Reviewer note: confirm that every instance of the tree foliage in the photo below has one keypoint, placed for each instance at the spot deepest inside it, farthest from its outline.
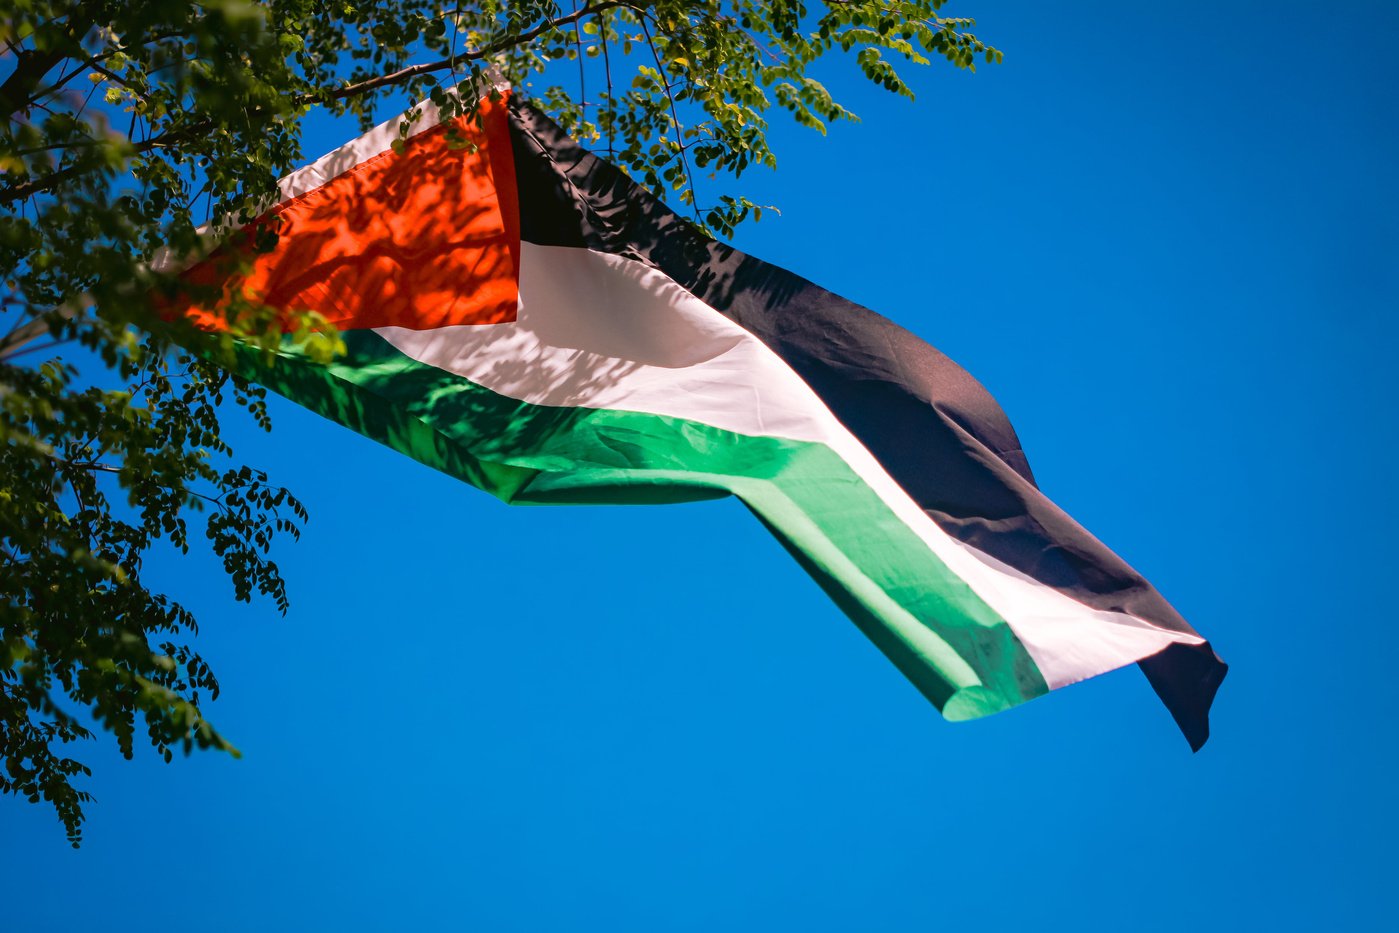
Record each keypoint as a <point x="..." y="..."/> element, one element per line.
<point x="131" y="125"/>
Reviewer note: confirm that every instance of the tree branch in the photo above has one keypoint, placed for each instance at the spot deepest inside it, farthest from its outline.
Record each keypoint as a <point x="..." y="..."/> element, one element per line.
<point x="30" y="330"/>
<point x="398" y="77"/>
<point x="63" y="39"/>
<point x="30" y="69"/>
<point x="201" y="127"/>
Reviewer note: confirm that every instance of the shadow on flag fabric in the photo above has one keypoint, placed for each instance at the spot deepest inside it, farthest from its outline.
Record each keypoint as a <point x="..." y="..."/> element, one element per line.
<point x="521" y="315"/>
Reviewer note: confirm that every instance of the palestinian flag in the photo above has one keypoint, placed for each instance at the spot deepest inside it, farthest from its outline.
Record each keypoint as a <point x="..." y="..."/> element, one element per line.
<point x="521" y="315"/>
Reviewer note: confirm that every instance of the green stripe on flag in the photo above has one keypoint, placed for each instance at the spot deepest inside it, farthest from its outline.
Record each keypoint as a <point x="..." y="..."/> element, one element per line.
<point x="941" y="635"/>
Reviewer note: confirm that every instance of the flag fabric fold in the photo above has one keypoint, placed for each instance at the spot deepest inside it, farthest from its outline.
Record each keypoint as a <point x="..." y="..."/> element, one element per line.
<point x="519" y="314"/>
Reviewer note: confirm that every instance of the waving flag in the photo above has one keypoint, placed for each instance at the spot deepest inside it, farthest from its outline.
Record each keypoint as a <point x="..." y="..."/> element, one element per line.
<point x="520" y="315"/>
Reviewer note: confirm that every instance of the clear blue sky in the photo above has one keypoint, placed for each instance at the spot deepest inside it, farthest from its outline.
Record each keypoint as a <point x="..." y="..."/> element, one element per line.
<point x="1165" y="236"/>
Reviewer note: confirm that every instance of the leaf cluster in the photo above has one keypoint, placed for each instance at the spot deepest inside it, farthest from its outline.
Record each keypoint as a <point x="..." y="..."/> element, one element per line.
<point x="687" y="87"/>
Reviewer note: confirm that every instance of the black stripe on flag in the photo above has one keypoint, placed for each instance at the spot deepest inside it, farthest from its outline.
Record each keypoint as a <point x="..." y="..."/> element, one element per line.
<point x="933" y="427"/>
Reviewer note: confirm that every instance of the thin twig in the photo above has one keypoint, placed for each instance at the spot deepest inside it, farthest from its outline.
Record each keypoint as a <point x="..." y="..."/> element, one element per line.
<point x="79" y="112"/>
<point x="674" y="117"/>
<point x="582" y="80"/>
<point x="112" y="75"/>
<point x="758" y="45"/>
<point x="456" y="33"/>
<point x="611" y="104"/>
<point x="92" y="62"/>
<point x="96" y="467"/>
<point x="43" y="346"/>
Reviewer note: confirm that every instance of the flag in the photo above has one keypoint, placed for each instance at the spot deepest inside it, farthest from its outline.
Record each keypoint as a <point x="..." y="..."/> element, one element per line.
<point x="521" y="315"/>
